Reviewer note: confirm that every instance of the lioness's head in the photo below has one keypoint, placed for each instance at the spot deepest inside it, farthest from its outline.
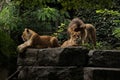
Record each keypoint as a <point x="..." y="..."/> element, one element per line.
<point x="26" y="34"/>
<point x="75" y="36"/>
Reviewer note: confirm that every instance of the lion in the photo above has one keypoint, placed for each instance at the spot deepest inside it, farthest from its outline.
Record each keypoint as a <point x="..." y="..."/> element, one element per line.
<point x="73" y="41"/>
<point x="34" y="40"/>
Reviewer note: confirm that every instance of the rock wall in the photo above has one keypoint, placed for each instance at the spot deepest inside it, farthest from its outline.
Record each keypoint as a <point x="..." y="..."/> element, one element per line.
<point x="72" y="63"/>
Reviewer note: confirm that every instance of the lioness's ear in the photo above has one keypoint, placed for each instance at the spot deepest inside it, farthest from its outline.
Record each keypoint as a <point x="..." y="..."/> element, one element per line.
<point x="26" y="29"/>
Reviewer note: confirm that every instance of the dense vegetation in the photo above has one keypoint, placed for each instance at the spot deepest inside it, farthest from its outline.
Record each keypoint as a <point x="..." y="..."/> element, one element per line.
<point x="52" y="17"/>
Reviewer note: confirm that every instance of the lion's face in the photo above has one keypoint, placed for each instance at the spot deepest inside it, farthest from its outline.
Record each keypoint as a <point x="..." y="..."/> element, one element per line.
<point x="26" y="35"/>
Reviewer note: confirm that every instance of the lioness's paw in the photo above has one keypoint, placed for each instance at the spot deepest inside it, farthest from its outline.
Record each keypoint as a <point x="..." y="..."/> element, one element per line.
<point x="20" y="49"/>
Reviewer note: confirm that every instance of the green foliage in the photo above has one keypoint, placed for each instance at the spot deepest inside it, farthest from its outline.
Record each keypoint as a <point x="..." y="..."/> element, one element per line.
<point x="91" y="4"/>
<point x="9" y="17"/>
<point x="66" y="4"/>
<point x="48" y="14"/>
<point x="32" y="4"/>
<point x="108" y="12"/>
<point x="51" y="14"/>
<point x="45" y="19"/>
<point x="116" y="33"/>
<point x="7" y="49"/>
<point x="10" y="21"/>
<point x="99" y="45"/>
<point x="103" y="45"/>
<point x="61" y="33"/>
<point x="113" y="17"/>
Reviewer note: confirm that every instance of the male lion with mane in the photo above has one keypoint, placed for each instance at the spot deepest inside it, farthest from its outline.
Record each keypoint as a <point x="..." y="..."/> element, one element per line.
<point x="34" y="40"/>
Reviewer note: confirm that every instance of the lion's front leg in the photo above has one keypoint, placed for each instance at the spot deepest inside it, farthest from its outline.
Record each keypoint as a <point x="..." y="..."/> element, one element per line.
<point x="84" y="36"/>
<point x="23" y="46"/>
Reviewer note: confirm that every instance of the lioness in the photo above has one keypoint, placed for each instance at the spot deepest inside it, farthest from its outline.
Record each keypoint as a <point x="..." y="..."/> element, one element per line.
<point x="73" y="41"/>
<point x="34" y="40"/>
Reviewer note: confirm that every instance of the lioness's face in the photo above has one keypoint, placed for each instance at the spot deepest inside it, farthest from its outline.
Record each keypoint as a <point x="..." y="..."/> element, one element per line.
<point x="26" y="35"/>
<point x="76" y="36"/>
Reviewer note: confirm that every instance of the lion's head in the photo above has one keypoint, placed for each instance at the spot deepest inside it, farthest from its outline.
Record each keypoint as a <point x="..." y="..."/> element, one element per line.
<point x="26" y="34"/>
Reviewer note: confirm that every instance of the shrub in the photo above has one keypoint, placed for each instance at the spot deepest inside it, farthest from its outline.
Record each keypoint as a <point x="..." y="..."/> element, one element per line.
<point x="7" y="49"/>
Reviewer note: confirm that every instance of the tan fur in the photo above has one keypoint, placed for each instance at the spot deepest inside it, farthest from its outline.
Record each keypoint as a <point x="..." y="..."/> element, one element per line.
<point x="34" y="40"/>
<point x="72" y="41"/>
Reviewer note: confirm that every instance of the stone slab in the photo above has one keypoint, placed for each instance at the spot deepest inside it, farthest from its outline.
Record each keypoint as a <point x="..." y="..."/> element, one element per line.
<point x="104" y="58"/>
<point x="71" y="56"/>
<point x="50" y="73"/>
<point x="97" y="73"/>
